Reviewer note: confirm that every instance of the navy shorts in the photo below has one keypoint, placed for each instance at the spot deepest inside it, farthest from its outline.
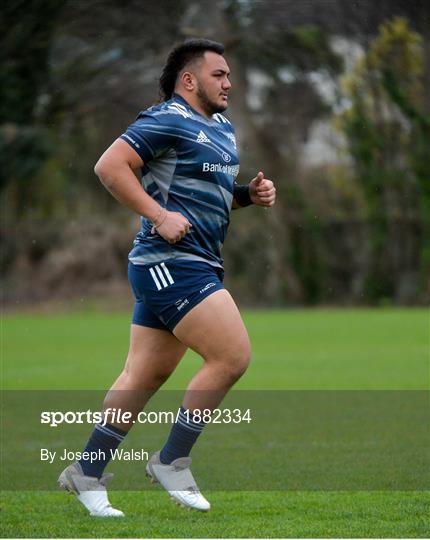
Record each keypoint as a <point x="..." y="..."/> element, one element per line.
<point x="167" y="291"/>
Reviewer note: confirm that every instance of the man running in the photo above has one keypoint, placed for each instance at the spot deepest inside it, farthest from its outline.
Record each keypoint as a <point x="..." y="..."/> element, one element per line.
<point x="186" y="150"/>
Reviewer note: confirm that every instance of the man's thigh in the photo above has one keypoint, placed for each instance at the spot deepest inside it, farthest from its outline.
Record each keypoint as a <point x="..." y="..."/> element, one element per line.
<point x="214" y="328"/>
<point x="153" y="353"/>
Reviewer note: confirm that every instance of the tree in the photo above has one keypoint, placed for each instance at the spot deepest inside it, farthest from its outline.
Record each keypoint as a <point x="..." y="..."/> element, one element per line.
<point x="388" y="135"/>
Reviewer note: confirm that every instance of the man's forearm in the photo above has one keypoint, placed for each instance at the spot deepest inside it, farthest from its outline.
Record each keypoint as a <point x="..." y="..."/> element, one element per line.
<point x="122" y="183"/>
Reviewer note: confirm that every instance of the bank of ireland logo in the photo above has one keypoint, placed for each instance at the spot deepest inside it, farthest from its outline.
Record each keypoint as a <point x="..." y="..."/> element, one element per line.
<point x="226" y="157"/>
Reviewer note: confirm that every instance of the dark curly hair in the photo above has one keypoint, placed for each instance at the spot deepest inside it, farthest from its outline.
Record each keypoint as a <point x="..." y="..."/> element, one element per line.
<point x="179" y="57"/>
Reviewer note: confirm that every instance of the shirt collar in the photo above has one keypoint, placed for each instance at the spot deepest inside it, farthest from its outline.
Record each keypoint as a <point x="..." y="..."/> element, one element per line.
<point x="179" y="98"/>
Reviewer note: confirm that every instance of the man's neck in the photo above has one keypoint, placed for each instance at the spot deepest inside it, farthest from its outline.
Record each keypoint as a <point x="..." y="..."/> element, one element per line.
<point x="193" y="102"/>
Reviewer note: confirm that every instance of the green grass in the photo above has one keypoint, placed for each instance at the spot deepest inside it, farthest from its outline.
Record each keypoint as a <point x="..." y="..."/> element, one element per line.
<point x="298" y="349"/>
<point x="234" y="515"/>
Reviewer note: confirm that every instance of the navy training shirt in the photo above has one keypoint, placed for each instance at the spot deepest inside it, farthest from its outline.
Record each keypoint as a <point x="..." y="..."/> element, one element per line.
<point x="190" y="165"/>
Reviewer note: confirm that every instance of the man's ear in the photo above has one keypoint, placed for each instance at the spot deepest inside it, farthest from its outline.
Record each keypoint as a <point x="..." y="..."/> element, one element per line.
<point x="187" y="79"/>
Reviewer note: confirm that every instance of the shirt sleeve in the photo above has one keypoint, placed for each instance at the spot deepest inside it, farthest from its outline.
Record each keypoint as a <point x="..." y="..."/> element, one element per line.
<point x="149" y="137"/>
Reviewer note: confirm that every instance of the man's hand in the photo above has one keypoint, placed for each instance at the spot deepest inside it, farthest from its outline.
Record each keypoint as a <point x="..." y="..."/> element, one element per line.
<point x="173" y="227"/>
<point x="262" y="191"/>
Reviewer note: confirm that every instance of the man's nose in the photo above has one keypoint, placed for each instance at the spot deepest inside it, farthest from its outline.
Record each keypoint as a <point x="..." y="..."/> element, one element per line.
<point x="226" y="84"/>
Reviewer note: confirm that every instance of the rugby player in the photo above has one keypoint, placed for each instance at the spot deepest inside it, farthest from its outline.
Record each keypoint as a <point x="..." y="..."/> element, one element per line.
<point x="186" y="152"/>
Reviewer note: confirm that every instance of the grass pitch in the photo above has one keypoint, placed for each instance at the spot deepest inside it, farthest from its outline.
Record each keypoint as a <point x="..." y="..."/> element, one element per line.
<point x="299" y="349"/>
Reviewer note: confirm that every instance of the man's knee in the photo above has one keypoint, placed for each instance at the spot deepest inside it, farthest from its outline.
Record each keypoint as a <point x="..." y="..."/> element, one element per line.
<point x="234" y="364"/>
<point x="136" y="377"/>
<point x="242" y="362"/>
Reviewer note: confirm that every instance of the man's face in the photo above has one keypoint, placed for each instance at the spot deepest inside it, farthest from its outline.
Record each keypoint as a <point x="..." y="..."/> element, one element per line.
<point x="213" y="85"/>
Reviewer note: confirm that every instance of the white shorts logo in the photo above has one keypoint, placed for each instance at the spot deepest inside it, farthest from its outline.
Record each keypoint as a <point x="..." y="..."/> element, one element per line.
<point x="181" y="303"/>
<point x="206" y="287"/>
<point x="161" y="276"/>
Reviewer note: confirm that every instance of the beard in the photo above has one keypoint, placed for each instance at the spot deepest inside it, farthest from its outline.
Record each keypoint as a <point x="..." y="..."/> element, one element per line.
<point x="210" y="106"/>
